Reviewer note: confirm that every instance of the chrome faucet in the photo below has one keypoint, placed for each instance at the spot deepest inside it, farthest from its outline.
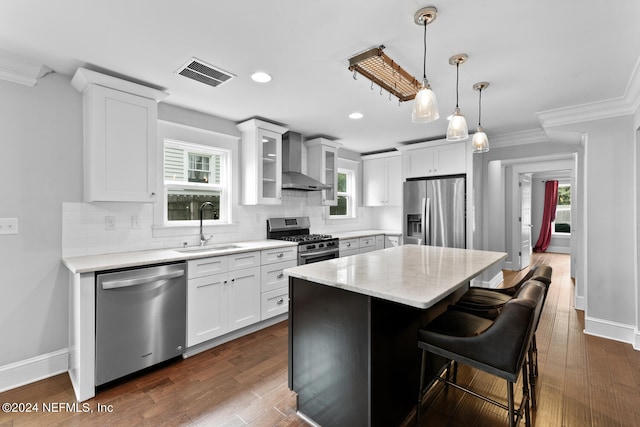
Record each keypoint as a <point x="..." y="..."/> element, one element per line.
<point x="204" y="239"/>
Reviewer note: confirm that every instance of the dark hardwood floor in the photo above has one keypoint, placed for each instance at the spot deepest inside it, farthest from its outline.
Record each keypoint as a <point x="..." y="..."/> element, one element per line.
<point x="584" y="381"/>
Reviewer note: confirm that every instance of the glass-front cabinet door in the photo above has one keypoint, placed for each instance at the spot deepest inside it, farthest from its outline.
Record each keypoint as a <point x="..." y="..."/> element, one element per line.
<point x="261" y="162"/>
<point x="322" y="164"/>
<point x="271" y="144"/>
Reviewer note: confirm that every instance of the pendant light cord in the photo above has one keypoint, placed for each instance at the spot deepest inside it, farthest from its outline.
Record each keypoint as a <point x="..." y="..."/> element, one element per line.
<point x="479" y="107"/>
<point x="457" y="79"/>
<point x="424" y="63"/>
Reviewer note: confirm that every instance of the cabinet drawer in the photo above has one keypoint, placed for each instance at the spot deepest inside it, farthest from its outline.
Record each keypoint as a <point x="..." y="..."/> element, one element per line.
<point x="269" y="256"/>
<point x="244" y="260"/>
<point x="367" y="249"/>
<point x="366" y="242"/>
<point x="349" y="244"/>
<point x="272" y="276"/>
<point x="207" y="266"/>
<point x="380" y="242"/>
<point x="275" y="302"/>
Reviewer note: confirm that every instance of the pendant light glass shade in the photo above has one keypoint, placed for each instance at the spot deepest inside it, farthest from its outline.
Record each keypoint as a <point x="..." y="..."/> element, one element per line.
<point x="457" y="130"/>
<point x="480" y="142"/>
<point x="425" y="107"/>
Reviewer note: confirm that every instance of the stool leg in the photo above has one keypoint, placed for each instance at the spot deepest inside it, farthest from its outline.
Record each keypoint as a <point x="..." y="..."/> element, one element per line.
<point x="512" y="421"/>
<point x="534" y="344"/>
<point x="423" y="366"/>
<point x="525" y="401"/>
<point x="532" y="377"/>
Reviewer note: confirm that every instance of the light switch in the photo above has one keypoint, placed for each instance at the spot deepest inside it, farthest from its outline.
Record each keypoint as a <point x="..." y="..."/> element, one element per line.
<point x="135" y="222"/>
<point x="8" y="225"/>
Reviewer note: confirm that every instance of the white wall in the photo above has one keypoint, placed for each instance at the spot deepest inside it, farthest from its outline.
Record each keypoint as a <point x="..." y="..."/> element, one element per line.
<point x="40" y="168"/>
<point x="41" y="176"/>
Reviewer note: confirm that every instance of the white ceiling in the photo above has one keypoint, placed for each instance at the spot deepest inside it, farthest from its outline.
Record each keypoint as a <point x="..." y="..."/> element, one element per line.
<point x="537" y="55"/>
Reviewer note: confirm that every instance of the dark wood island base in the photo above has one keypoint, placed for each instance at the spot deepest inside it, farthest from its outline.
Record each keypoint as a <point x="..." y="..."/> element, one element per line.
<point x="353" y="358"/>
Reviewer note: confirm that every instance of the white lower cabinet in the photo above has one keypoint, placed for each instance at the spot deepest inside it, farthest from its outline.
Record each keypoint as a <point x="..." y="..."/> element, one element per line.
<point x="391" y="241"/>
<point x="275" y="289"/>
<point x="349" y="247"/>
<point x="367" y="244"/>
<point x="361" y="245"/>
<point x="218" y="301"/>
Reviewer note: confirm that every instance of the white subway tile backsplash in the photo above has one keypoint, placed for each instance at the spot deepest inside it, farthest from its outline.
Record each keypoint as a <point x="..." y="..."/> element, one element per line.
<point x="84" y="233"/>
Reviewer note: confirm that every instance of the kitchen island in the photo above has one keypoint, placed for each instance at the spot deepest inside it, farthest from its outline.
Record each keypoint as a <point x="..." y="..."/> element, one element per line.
<point x="353" y="355"/>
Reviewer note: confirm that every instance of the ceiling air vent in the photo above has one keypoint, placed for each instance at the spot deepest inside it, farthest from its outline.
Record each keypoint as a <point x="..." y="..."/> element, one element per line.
<point x="202" y="72"/>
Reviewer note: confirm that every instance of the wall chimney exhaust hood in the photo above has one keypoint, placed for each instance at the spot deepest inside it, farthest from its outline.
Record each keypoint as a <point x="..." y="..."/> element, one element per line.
<point x="292" y="176"/>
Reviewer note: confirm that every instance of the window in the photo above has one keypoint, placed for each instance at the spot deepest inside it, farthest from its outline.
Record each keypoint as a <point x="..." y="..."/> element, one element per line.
<point x="195" y="174"/>
<point x="346" y="195"/>
<point x="562" y="224"/>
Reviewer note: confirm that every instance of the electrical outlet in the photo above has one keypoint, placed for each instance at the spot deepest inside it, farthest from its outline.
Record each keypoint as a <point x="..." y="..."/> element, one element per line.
<point x="109" y="222"/>
<point x="8" y="225"/>
<point x="135" y="222"/>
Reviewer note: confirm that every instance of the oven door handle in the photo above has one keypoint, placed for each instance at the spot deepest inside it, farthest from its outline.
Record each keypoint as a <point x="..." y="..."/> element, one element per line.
<point x="309" y="254"/>
<point x="126" y="283"/>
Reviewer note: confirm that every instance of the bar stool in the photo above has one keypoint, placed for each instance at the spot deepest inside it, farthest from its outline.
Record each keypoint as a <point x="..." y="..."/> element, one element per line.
<point x="488" y="303"/>
<point x="499" y="348"/>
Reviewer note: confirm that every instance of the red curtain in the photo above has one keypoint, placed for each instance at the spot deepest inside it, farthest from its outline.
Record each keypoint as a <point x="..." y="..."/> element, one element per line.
<point x="548" y="216"/>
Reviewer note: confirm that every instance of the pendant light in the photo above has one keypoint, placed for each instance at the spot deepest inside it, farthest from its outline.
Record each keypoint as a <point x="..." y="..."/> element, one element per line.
<point x="457" y="129"/>
<point x="480" y="142"/>
<point x="425" y="107"/>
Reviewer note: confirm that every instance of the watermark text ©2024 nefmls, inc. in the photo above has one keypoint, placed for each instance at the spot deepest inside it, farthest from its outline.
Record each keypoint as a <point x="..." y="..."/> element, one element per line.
<point x="55" y="407"/>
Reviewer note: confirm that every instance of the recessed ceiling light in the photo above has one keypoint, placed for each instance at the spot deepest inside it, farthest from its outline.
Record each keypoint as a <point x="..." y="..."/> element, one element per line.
<point x="261" y="77"/>
<point x="356" y="115"/>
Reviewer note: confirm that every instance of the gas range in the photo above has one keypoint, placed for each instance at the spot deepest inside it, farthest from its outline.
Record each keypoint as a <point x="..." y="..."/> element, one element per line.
<point x="311" y="247"/>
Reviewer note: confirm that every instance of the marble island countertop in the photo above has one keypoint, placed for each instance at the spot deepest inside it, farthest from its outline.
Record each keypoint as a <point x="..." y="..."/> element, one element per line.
<point x="364" y="233"/>
<point x="90" y="263"/>
<point x="418" y="276"/>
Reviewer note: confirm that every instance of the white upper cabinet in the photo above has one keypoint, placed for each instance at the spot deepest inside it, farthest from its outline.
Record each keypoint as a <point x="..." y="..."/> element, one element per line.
<point x="120" y="138"/>
<point x="261" y="162"/>
<point x="437" y="160"/>
<point x="382" y="179"/>
<point x="322" y="164"/>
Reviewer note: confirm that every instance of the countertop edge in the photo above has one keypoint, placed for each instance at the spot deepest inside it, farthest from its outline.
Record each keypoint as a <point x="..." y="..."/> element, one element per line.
<point x="420" y="304"/>
<point x="113" y="261"/>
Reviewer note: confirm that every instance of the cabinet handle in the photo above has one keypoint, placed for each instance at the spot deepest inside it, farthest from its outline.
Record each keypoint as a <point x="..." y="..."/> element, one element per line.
<point x="280" y="275"/>
<point x="348" y="245"/>
<point x="233" y="280"/>
<point x="280" y="255"/>
<point x="280" y="301"/>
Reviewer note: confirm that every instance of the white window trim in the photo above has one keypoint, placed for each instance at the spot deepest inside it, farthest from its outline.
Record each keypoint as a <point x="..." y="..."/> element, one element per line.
<point x="351" y="169"/>
<point x="555" y="233"/>
<point x="224" y="186"/>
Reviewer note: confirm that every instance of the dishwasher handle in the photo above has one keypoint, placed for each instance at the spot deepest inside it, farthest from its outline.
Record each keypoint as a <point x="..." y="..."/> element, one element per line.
<point x="115" y="284"/>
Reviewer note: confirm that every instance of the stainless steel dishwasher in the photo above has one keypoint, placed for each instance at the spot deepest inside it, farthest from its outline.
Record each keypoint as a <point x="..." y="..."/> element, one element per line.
<point x="141" y="317"/>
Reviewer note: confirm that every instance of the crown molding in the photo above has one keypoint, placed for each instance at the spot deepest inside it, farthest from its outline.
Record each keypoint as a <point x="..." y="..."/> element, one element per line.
<point x="22" y="72"/>
<point x="605" y="109"/>
<point x="531" y="136"/>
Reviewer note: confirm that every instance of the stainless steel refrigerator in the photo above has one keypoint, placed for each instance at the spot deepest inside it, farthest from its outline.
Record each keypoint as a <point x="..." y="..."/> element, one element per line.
<point x="435" y="211"/>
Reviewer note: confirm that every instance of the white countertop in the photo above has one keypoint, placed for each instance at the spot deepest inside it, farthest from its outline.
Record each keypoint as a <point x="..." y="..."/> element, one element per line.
<point x="87" y="264"/>
<point x="364" y="233"/>
<point x="413" y="275"/>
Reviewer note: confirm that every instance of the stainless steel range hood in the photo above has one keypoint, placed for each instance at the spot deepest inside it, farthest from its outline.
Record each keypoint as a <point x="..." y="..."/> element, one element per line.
<point x="292" y="176"/>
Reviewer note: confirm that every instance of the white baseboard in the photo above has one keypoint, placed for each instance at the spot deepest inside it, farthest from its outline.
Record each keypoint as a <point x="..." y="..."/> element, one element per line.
<point x="494" y="282"/>
<point x="35" y="369"/>
<point x="580" y="303"/>
<point x="559" y="249"/>
<point x="611" y="330"/>
<point x="636" y="343"/>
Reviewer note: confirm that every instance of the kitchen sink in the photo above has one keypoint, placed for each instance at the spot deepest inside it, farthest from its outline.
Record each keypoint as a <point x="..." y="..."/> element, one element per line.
<point x="212" y="248"/>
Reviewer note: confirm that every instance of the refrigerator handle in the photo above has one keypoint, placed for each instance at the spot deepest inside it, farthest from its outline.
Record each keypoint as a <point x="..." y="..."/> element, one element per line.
<point x="426" y="220"/>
